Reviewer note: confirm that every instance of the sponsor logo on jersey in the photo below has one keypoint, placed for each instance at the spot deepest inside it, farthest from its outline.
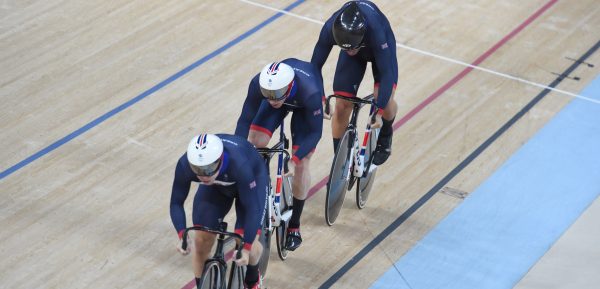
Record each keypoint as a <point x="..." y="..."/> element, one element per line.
<point x="229" y="141"/>
<point x="302" y="71"/>
<point x="219" y="183"/>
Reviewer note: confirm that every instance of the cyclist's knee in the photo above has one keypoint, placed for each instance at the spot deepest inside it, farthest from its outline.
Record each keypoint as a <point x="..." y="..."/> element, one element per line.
<point x="303" y="164"/>
<point x="203" y="241"/>
<point x="258" y="138"/>
<point x="256" y="250"/>
<point x="389" y="112"/>
<point x="342" y="106"/>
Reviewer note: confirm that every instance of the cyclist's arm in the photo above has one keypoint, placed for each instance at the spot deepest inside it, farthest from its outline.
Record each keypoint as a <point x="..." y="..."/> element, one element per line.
<point x="252" y="194"/>
<point x="251" y="105"/>
<point x="385" y="59"/>
<point x="323" y="47"/>
<point x="313" y="115"/>
<point x="179" y="192"/>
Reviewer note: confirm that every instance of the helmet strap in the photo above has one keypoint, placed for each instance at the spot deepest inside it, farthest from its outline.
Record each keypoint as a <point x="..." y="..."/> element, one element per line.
<point x="224" y="161"/>
<point x="292" y="88"/>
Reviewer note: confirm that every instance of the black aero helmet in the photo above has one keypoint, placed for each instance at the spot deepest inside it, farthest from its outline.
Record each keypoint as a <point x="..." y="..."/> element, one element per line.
<point x="349" y="27"/>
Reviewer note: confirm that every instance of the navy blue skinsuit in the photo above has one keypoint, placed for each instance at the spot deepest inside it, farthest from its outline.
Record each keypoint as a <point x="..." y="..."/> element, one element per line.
<point x="305" y="102"/>
<point x="242" y="177"/>
<point x="380" y="50"/>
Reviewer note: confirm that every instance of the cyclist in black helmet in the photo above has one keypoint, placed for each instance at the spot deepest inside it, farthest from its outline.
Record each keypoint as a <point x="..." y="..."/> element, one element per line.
<point x="364" y="35"/>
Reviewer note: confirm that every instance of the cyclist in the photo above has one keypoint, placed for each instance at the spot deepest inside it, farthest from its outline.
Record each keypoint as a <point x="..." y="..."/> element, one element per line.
<point x="290" y="85"/>
<point x="364" y="35"/>
<point x="228" y="168"/>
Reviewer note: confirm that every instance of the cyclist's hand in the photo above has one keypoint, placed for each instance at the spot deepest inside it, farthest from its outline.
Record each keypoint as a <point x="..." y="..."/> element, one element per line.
<point x="244" y="260"/>
<point x="325" y="114"/>
<point x="377" y="123"/>
<point x="291" y="168"/>
<point x="180" y="249"/>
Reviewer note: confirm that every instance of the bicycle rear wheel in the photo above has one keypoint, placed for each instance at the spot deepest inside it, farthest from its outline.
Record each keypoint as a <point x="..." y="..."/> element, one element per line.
<point x="338" y="182"/>
<point x="285" y="205"/>
<point x="236" y="277"/>
<point x="212" y="276"/>
<point x="365" y="183"/>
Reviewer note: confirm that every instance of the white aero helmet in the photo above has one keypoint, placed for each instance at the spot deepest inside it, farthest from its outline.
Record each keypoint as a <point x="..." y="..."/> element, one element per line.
<point x="276" y="80"/>
<point x="204" y="154"/>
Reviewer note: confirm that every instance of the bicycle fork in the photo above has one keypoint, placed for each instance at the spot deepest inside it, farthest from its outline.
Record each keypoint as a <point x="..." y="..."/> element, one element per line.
<point x="275" y="210"/>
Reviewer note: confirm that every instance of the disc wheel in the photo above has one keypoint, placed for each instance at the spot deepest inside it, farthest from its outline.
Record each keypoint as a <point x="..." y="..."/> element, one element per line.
<point x="338" y="182"/>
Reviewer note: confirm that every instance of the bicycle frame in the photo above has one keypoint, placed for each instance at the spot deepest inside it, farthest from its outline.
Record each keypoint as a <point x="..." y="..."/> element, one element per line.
<point x="279" y="198"/>
<point x="279" y="148"/>
<point x="357" y="152"/>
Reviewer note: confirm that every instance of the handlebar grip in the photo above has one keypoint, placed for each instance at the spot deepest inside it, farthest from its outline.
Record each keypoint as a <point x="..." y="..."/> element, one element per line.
<point x="184" y="243"/>
<point x="238" y="255"/>
<point x="374" y="116"/>
<point x="327" y="104"/>
<point x="285" y="164"/>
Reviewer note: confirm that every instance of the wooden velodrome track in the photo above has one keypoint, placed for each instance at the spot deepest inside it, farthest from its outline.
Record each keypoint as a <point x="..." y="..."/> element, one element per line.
<point x="87" y="166"/>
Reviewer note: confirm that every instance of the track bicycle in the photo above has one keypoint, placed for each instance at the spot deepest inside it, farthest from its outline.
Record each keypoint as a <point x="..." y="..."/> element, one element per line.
<point x="280" y="198"/>
<point x="215" y="268"/>
<point x="352" y="162"/>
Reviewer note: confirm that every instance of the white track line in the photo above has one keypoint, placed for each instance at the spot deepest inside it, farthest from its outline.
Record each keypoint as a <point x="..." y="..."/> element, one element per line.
<point x="440" y="57"/>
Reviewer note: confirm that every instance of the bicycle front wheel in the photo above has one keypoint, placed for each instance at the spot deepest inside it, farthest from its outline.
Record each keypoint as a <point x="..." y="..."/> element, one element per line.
<point x="213" y="276"/>
<point x="236" y="278"/>
<point x="365" y="183"/>
<point x="338" y="179"/>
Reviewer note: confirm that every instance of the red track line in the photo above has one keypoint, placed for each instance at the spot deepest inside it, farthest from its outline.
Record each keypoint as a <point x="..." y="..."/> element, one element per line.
<point x="190" y="285"/>
<point x="453" y="81"/>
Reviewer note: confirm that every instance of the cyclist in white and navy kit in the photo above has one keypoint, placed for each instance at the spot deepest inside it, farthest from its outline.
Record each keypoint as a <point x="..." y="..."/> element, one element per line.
<point x="228" y="169"/>
<point x="364" y="34"/>
<point x="292" y="86"/>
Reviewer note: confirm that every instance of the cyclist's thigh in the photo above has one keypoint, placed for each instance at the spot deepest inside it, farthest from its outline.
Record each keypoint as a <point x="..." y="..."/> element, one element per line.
<point x="300" y="131"/>
<point x="209" y="206"/>
<point x="261" y="191"/>
<point x="267" y="118"/>
<point x="349" y="73"/>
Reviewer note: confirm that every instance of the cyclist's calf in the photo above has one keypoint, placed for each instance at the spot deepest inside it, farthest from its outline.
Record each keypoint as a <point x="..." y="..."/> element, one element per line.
<point x="301" y="180"/>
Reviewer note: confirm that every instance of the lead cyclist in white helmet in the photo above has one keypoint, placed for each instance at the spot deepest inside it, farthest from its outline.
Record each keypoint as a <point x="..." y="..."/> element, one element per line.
<point x="228" y="169"/>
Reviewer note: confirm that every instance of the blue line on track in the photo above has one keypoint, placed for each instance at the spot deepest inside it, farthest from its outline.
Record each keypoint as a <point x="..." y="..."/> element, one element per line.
<point x="146" y="93"/>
